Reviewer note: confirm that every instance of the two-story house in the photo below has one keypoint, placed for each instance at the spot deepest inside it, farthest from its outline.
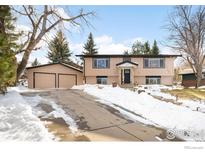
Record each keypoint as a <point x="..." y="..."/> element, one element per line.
<point x="128" y="69"/>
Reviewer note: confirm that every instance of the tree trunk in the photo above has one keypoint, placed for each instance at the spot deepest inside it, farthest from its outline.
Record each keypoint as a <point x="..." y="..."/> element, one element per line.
<point x="198" y="77"/>
<point x="22" y="65"/>
<point x="24" y="61"/>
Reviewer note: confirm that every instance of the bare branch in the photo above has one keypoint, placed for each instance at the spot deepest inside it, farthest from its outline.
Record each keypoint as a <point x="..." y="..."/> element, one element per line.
<point x="187" y="35"/>
<point x="19" y="12"/>
<point x="42" y="23"/>
<point x="22" y="46"/>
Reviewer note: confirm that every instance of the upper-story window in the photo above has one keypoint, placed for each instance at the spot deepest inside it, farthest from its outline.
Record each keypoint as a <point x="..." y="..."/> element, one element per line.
<point x="101" y="62"/>
<point x="154" y="62"/>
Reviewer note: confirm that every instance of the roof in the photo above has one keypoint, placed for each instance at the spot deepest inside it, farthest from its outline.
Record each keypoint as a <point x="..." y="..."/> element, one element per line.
<point x="66" y="65"/>
<point x="75" y="65"/>
<point x="188" y="71"/>
<point x="127" y="62"/>
<point x="121" y="55"/>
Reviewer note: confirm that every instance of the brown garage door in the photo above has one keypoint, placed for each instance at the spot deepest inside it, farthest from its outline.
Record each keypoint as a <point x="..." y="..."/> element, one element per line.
<point x="44" y="80"/>
<point x="67" y="80"/>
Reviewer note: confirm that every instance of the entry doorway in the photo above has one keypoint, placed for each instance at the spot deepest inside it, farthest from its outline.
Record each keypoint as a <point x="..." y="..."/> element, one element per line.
<point x="126" y="76"/>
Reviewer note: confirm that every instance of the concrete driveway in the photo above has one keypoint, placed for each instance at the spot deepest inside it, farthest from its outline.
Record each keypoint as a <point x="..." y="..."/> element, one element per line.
<point x="99" y="122"/>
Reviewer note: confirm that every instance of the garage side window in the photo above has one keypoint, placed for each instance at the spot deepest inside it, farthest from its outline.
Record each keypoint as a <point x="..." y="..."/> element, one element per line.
<point x="101" y="79"/>
<point x="101" y="63"/>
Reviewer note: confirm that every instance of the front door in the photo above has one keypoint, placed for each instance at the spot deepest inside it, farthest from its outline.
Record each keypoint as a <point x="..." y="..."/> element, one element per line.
<point x="126" y="75"/>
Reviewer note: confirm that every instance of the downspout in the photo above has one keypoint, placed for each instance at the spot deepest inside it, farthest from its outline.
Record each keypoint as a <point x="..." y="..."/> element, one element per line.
<point x="84" y="71"/>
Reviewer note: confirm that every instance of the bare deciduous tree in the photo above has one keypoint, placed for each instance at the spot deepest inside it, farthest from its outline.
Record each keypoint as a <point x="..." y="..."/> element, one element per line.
<point x="42" y="22"/>
<point x="187" y="34"/>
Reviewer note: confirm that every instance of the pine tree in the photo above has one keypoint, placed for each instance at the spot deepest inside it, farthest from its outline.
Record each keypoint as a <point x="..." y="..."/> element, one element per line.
<point x="90" y="46"/>
<point x="155" y="49"/>
<point x="137" y="48"/>
<point x="35" y="62"/>
<point x="7" y="48"/>
<point x="59" y="51"/>
<point x="126" y="52"/>
<point x="146" y="49"/>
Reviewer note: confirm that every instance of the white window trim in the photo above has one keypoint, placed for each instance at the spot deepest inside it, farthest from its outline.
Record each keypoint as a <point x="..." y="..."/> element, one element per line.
<point x="150" y="61"/>
<point x="102" y="79"/>
<point x="101" y="59"/>
<point x="203" y="75"/>
<point x="153" y="78"/>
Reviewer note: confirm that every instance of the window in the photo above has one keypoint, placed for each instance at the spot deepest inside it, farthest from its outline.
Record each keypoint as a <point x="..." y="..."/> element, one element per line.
<point x="101" y="79"/>
<point x="126" y="58"/>
<point x="154" y="63"/>
<point x="153" y="79"/>
<point x="203" y="75"/>
<point x="101" y="63"/>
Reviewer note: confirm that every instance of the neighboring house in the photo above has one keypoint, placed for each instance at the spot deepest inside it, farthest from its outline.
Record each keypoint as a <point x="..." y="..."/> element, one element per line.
<point x="129" y="69"/>
<point x="57" y="75"/>
<point x="189" y="78"/>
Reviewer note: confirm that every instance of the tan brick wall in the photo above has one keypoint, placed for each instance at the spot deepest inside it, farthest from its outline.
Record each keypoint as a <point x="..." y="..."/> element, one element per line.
<point x="166" y="73"/>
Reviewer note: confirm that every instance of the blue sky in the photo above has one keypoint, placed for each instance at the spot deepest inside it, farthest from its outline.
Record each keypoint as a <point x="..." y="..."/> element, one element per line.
<point x="126" y="22"/>
<point x="115" y="28"/>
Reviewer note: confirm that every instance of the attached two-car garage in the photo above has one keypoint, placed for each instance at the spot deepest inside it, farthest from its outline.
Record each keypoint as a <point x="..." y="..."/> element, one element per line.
<point x="54" y="76"/>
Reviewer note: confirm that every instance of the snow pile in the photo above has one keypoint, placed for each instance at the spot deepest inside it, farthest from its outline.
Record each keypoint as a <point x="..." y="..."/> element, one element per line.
<point x="194" y="105"/>
<point x="60" y="113"/>
<point x="21" y="88"/>
<point x="34" y="102"/>
<point x="155" y="90"/>
<point x="82" y="87"/>
<point x="57" y="112"/>
<point x="17" y="121"/>
<point x="202" y="87"/>
<point x="166" y="115"/>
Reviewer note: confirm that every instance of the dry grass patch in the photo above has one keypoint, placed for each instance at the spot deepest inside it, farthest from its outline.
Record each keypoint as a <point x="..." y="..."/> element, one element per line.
<point x="187" y="93"/>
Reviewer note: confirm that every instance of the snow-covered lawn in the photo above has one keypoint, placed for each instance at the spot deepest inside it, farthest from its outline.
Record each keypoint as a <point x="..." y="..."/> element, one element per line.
<point x="17" y="121"/>
<point x="187" y="124"/>
<point x="156" y="90"/>
<point x="21" y="88"/>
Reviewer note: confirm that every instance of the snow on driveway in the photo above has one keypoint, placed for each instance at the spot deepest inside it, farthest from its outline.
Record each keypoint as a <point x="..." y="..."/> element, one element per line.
<point x="17" y="121"/>
<point x="187" y="124"/>
<point x="57" y="112"/>
<point x="20" y="116"/>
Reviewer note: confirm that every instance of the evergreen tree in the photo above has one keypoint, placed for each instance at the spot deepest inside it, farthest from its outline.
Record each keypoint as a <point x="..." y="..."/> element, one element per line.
<point x="7" y="48"/>
<point x="59" y="51"/>
<point x="90" y="46"/>
<point x="35" y="62"/>
<point x="146" y="49"/>
<point x="155" y="49"/>
<point x="126" y="52"/>
<point x="137" y="48"/>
